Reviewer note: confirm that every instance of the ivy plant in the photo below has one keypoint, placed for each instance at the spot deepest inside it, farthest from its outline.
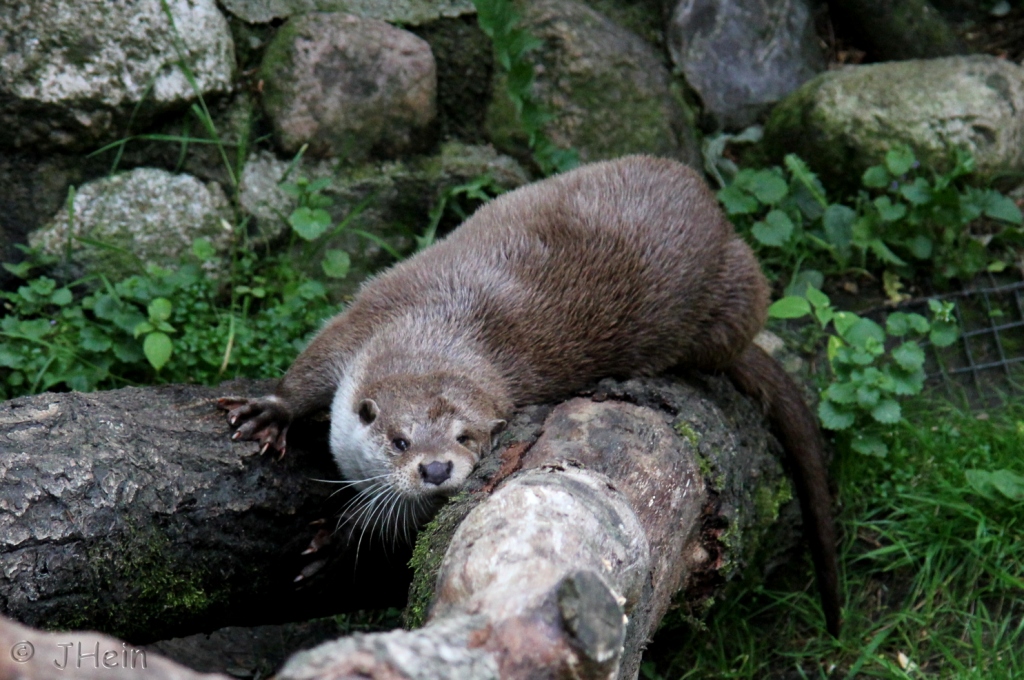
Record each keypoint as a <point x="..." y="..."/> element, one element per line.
<point x="511" y="43"/>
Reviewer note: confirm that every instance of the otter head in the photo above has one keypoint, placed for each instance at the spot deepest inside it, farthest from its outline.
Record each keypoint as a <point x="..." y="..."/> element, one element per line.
<point x="412" y="438"/>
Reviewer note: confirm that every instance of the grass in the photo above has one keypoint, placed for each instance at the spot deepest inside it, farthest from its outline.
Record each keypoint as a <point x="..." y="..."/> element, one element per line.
<point x="934" y="573"/>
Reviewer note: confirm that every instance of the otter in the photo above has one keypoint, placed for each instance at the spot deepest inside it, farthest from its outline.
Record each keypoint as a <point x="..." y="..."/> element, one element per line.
<point x="620" y="269"/>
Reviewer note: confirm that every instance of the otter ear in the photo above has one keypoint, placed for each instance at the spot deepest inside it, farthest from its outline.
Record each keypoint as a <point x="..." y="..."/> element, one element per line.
<point x="368" y="411"/>
<point x="497" y="426"/>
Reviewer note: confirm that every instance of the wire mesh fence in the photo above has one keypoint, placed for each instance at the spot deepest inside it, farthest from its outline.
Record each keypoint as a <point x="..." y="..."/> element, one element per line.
<point x="986" y="364"/>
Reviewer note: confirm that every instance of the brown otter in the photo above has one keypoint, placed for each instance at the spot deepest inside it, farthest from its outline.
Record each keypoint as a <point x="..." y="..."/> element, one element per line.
<point x="616" y="269"/>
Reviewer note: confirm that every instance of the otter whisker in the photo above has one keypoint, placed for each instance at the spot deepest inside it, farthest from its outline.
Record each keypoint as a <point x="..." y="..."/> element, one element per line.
<point x="377" y="507"/>
<point x="348" y="482"/>
<point x="359" y="505"/>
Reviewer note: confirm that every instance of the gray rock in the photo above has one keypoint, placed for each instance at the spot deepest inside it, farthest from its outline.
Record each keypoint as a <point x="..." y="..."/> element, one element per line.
<point x="73" y="71"/>
<point x="349" y="87"/>
<point x="844" y="121"/>
<point x="609" y="92"/>
<point x="148" y="216"/>
<point x="743" y="56"/>
<point x="402" y="192"/>
<point x="406" y="12"/>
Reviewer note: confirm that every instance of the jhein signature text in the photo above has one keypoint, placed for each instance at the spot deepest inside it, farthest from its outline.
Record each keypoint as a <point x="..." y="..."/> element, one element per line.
<point x="74" y="655"/>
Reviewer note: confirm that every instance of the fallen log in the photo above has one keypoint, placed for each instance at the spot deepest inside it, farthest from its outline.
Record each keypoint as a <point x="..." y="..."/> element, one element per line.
<point x="562" y="556"/>
<point x="568" y="567"/>
<point x="131" y="512"/>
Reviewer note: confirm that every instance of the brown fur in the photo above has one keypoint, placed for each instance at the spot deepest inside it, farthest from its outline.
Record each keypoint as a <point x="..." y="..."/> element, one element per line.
<point x="616" y="269"/>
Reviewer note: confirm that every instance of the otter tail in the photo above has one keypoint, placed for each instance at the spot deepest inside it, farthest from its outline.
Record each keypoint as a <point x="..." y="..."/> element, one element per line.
<point x="758" y="375"/>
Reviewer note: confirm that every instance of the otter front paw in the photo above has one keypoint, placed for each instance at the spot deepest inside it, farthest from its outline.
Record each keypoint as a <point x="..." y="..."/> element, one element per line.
<point x="264" y="420"/>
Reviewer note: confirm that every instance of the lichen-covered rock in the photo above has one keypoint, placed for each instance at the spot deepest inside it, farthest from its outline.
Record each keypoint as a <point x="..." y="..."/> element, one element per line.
<point x="349" y="87"/>
<point x="405" y="12"/>
<point x="73" y="71"/>
<point x="147" y="214"/>
<point x="844" y="121"/>
<point x="400" y="194"/>
<point x="609" y="92"/>
<point x="742" y="56"/>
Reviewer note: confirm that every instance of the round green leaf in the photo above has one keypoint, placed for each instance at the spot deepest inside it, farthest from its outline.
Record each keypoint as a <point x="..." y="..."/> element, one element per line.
<point x="838" y="224"/>
<point x="61" y="297"/>
<point x="889" y="211"/>
<point x="768" y="187"/>
<point x="791" y="307"/>
<point x="887" y="411"/>
<point x="918" y="193"/>
<point x="905" y="382"/>
<point x="160" y="309"/>
<point x="203" y="249"/>
<point x="899" y="160"/>
<point x="861" y="330"/>
<point x="876" y="177"/>
<point x="94" y="340"/>
<point x="867" y="397"/>
<point x="921" y="247"/>
<point x="909" y="356"/>
<point x="944" y="333"/>
<point x="775" y="230"/>
<point x="157" y="348"/>
<point x="841" y="393"/>
<point x="833" y="417"/>
<point x="736" y="201"/>
<point x="336" y="264"/>
<point x="310" y="223"/>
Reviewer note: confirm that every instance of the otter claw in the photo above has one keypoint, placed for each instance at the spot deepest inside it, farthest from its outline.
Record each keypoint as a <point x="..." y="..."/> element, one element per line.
<point x="263" y="420"/>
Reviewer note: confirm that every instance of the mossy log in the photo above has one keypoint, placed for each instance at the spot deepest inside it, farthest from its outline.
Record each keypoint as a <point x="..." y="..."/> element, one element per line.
<point x="133" y="513"/>
<point x="562" y="556"/>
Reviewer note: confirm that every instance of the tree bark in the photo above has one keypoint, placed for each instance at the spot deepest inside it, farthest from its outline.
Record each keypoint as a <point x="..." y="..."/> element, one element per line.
<point x="646" y="490"/>
<point x="559" y="560"/>
<point x="132" y="512"/>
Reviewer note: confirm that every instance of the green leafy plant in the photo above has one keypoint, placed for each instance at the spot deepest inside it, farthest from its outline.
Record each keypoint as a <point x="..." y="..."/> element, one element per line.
<point x="511" y="43"/>
<point x="869" y="379"/>
<point x="997" y="485"/>
<point x="456" y="200"/>
<point x="932" y="217"/>
<point x="788" y="219"/>
<point x="173" y="325"/>
<point x="945" y="226"/>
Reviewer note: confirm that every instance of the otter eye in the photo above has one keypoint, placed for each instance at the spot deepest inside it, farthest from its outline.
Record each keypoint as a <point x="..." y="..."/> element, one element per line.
<point x="464" y="439"/>
<point x="400" y="443"/>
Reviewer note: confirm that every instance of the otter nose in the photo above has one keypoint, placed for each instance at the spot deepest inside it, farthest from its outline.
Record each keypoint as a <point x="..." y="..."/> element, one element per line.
<point x="436" y="473"/>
